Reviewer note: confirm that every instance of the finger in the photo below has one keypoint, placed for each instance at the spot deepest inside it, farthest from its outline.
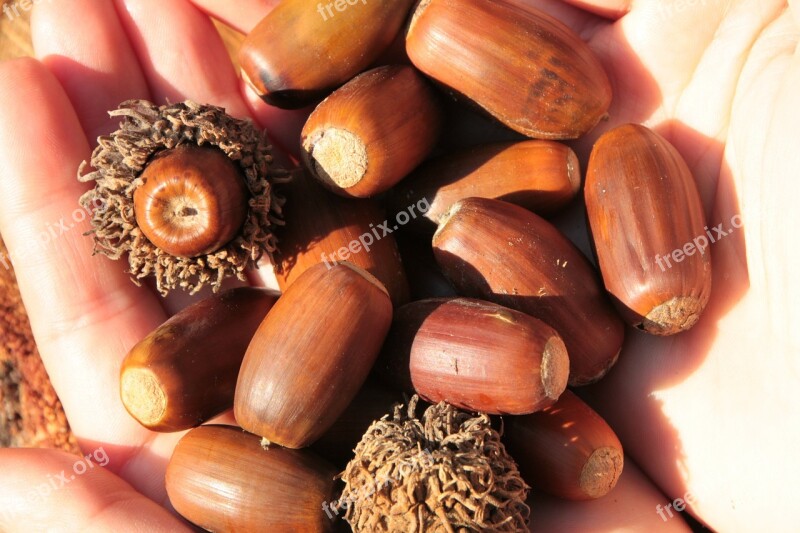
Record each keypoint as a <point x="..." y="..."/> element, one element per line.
<point x="84" y="311"/>
<point x="181" y="53"/>
<point x="49" y="490"/>
<point x="242" y="15"/>
<point x="96" y="66"/>
<point x="794" y="6"/>
<point x="635" y="504"/>
<point x="610" y="9"/>
<point x="282" y="125"/>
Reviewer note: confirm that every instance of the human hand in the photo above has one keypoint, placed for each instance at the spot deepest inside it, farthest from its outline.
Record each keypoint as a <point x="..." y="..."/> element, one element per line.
<point x="664" y="394"/>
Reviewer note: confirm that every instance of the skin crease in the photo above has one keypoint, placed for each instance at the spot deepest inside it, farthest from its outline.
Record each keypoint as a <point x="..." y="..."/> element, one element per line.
<point x="711" y="412"/>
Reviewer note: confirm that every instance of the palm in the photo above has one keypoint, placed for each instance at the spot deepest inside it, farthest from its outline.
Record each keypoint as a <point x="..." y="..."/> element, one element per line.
<point x="722" y="85"/>
<point x="668" y="71"/>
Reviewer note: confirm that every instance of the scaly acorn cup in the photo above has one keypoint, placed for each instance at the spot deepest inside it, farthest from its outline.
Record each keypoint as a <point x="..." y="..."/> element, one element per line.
<point x="312" y="354"/>
<point x="475" y="355"/>
<point x="185" y="191"/>
<point x="505" y="254"/>
<point x="324" y="228"/>
<point x="541" y="176"/>
<point x="445" y="471"/>
<point x="303" y="49"/>
<point x="184" y="372"/>
<point x="648" y="229"/>
<point x="222" y="479"/>
<point x="520" y="65"/>
<point x="370" y="133"/>
<point x="566" y="450"/>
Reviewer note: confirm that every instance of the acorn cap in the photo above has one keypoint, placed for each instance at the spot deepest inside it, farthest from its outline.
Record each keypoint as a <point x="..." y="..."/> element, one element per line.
<point x="445" y="471"/>
<point x="119" y="160"/>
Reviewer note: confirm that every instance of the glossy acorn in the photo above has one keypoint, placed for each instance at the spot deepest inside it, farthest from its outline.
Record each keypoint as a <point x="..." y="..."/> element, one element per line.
<point x="539" y="175"/>
<point x="517" y="63"/>
<point x="324" y="228"/>
<point x="475" y="355"/>
<point x="184" y="372"/>
<point x="566" y="450"/>
<point x="312" y="354"/>
<point x="222" y="479"/>
<point x="303" y="49"/>
<point x="370" y="133"/>
<point x="500" y="252"/>
<point x="649" y="230"/>
<point x="192" y="200"/>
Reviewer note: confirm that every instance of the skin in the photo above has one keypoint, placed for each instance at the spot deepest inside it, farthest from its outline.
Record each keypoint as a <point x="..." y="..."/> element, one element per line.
<point x="711" y="412"/>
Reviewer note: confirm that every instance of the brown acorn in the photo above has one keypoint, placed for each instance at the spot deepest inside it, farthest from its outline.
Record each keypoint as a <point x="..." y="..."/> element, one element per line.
<point x="476" y="355"/>
<point x="542" y="176"/>
<point x="222" y="479"/>
<point x="324" y="228"/>
<point x="649" y="230"/>
<point x="505" y="254"/>
<point x="517" y="63"/>
<point x="372" y="132"/>
<point x="566" y="450"/>
<point x="304" y="49"/>
<point x="312" y="354"/>
<point x="185" y="371"/>
<point x="192" y="200"/>
<point x="184" y="193"/>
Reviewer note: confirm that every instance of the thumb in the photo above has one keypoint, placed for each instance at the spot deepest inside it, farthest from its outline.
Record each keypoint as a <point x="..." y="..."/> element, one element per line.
<point x="50" y="490"/>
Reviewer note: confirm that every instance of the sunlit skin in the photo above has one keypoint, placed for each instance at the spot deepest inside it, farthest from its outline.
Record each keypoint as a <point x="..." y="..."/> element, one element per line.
<point x="711" y="413"/>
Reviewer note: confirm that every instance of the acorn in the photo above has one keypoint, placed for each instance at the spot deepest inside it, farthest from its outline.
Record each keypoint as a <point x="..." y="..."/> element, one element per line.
<point x="649" y="230"/>
<point x="503" y="253"/>
<point x="185" y="192"/>
<point x="520" y="65"/>
<point x="338" y="229"/>
<point x="311" y="354"/>
<point x="184" y="372"/>
<point x="566" y="450"/>
<point x="539" y="175"/>
<point x="303" y="49"/>
<point x="372" y="132"/>
<point x="476" y="355"/>
<point x="222" y="479"/>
